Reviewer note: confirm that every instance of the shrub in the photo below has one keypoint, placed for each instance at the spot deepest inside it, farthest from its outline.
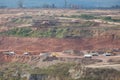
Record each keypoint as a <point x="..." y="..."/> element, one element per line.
<point x="84" y="16"/>
<point x="110" y="19"/>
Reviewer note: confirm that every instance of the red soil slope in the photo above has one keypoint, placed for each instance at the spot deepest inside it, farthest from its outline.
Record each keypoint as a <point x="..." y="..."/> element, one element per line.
<point x="52" y="44"/>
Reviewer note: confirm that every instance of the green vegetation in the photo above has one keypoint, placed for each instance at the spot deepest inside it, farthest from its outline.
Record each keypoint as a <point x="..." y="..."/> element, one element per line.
<point x="49" y="32"/>
<point x="78" y="72"/>
<point x="110" y="19"/>
<point x="22" y="32"/>
<point x="22" y="20"/>
<point x="83" y="24"/>
<point x="84" y="16"/>
<point x="56" y="32"/>
<point x="60" y="71"/>
<point x="14" y="71"/>
<point x="89" y="17"/>
<point x="102" y="74"/>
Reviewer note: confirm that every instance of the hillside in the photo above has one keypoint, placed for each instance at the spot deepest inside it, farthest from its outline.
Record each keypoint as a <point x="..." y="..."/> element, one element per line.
<point x="53" y="44"/>
<point x="47" y="30"/>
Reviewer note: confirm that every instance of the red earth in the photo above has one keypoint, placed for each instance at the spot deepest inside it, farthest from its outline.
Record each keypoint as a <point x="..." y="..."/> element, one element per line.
<point x="37" y="45"/>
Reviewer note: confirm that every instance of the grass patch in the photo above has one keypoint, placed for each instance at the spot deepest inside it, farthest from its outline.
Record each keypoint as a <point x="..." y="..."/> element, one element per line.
<point x="110" y="19"/>
<point x="50" y="32"/>
<point x="84" y="16"/>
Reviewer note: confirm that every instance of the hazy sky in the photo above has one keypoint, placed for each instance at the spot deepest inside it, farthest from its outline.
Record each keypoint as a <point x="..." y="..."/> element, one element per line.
<point x="87" y="3"/>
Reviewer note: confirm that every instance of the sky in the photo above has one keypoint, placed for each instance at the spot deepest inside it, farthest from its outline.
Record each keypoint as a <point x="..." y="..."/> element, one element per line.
<point x="60" y="3"/>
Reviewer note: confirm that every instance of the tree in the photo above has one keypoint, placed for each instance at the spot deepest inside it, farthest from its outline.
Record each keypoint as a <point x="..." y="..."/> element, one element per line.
<point x="46" y="5"/>
<point x="20" y="4"/>
<point x="53" y="6"/>
<point x="74" y="6"/>
<point x="65" y="3"/>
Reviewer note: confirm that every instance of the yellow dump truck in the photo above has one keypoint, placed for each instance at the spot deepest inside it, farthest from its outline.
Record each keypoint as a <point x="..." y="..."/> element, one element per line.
<point x="55" y="54"/>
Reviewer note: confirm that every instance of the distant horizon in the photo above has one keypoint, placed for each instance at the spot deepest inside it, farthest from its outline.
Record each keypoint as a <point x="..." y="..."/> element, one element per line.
<point x="61" y="3"/>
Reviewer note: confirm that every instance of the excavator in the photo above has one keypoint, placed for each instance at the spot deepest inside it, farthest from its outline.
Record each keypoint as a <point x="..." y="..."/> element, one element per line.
<point x="53" y="56"/>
